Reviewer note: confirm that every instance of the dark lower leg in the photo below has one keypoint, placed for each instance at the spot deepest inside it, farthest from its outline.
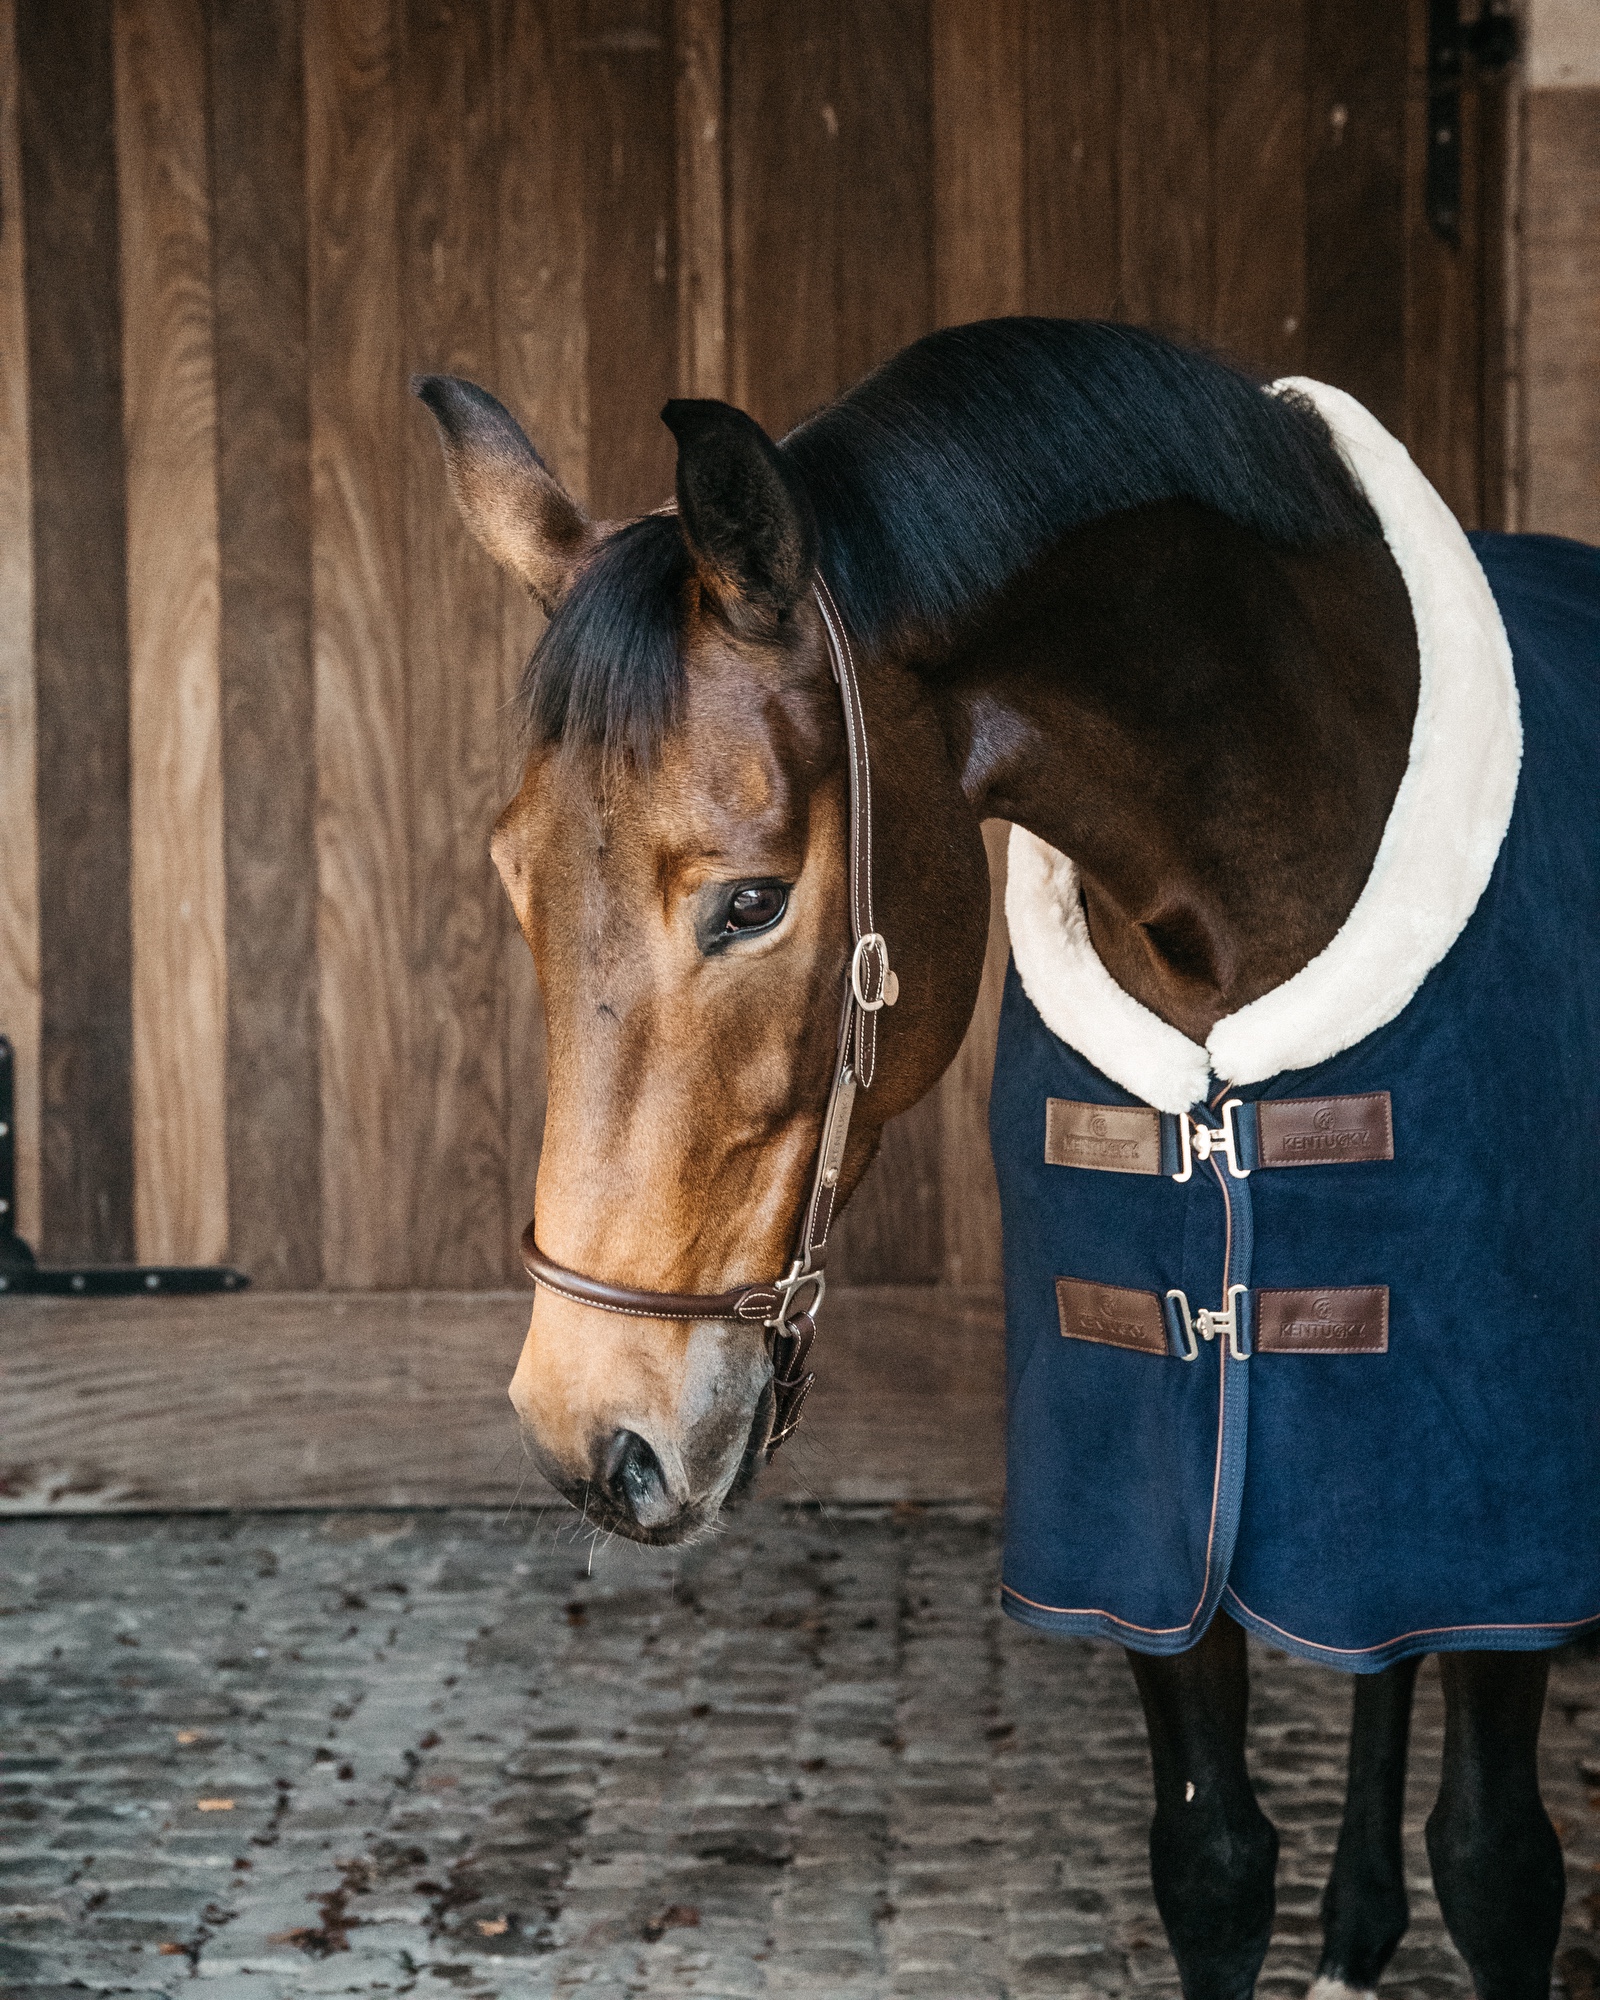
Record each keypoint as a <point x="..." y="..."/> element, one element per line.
<point x="1364" y="1909"/>
<point x="1213" y="1852"/>
<point x="1496" y="1861"/>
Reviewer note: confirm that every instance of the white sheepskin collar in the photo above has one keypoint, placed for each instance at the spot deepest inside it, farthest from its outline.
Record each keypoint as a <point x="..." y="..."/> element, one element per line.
<point x="1438" y="850"/>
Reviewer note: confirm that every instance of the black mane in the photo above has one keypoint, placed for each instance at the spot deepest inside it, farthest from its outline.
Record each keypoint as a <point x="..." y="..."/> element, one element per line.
<point x="944" y="474"/>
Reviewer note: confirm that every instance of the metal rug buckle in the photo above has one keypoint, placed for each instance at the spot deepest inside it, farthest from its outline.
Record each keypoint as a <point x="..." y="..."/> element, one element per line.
<point x="1209" y="1139"/>
<point x="1225" y="1323"/>
<point x="1209" y="1324"/>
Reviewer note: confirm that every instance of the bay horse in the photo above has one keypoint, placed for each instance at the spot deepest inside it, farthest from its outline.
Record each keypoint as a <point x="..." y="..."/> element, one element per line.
<point x="1082" y="579"/>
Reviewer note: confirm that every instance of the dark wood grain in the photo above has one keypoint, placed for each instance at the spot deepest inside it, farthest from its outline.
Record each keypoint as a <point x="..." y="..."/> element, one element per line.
<point x="1073" y="116"/>
<point x="80" y="624"/>
<point x="1499" y="107"/>
<point x="1165" y="202"/>
<point x="1561" y="327"/>
<point x="885" y="182"/>
<point x="461" y="1225"/>
<point x="699" y="31"/>
<point x="1258" y="117"/>
<point x="623" y="75"/>
<point x="385" y="1401"/>
<point x="1443" y="300"/>
<point x="359" y="414"/>
<point x="268" y="714"/>
<point x="180" y="1003"/>
<point x="783" y="206"/>
<point x="19" y="821"/>
<point x="1356" y="54"/>
<point x="979" y="148"/>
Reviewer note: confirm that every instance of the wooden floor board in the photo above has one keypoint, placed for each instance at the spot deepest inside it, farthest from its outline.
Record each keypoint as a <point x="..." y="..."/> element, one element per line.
<point x="398" y="1399"/>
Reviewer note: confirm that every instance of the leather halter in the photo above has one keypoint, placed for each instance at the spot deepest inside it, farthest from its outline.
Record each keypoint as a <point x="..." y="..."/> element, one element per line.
<point x="787" y="1306"/>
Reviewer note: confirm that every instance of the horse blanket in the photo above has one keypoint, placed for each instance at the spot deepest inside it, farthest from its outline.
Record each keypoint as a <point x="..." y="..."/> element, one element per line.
<point x="1342" y="1375"/>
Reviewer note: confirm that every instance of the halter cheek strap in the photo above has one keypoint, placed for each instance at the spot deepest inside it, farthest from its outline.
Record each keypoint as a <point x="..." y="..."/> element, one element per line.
<point x="786" y="1307"/>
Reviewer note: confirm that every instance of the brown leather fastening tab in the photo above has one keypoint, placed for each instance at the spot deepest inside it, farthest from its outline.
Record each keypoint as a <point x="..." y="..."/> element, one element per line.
<point x="1113" y="1315"/>
<point x="1351" y="1319"/>
<point x="1110" y="1138"/>
<point x="1312" y="1131"/>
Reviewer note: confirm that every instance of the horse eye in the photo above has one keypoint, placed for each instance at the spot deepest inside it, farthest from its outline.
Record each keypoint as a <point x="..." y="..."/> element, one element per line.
<point x="754" y="908"/>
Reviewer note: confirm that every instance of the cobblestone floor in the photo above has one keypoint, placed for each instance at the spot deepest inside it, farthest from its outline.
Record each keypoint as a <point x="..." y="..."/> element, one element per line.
<point x="390" y="1754"/>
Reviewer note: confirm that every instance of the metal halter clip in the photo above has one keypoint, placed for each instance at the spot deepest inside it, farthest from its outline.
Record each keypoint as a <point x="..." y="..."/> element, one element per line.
<point x="792" y="1281"/>
<point x="1225" y="1323"/>
<point x="888" y="984"/>
<point x="1209" y="1139"/>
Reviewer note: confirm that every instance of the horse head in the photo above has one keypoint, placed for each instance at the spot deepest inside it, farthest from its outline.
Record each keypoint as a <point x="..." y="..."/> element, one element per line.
<point x="677" y="857"/>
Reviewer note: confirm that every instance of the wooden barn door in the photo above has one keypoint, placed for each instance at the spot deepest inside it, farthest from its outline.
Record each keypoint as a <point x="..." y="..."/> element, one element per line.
<point x="253" y="677"/>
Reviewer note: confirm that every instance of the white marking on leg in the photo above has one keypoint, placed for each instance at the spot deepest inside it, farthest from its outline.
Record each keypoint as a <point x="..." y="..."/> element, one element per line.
<point x="1336" y="1989"/>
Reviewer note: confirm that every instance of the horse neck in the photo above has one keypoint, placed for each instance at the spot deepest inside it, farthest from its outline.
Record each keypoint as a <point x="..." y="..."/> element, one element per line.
<point x="1214" y="731"/>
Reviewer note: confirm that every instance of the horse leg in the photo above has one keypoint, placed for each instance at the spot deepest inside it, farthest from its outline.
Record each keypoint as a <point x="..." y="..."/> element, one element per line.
<point x="1213" y="1852"/>
<point x="1496" y="1861"/>
<point x="1364" y="1910"/>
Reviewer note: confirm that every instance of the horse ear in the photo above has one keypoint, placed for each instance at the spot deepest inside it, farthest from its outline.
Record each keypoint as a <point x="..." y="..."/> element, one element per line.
<point x="746" y="517"/>
<point x="510" y="501"/>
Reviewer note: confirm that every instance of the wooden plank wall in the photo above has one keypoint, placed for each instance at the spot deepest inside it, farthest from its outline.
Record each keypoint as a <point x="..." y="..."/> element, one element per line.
<point x="19" y="837"/>
<point x="253" y="678"/>
<point x="1555" y="470"/>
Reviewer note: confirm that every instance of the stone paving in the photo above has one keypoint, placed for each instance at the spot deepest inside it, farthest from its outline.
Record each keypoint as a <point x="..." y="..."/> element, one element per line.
<point x="432" y="1753"/>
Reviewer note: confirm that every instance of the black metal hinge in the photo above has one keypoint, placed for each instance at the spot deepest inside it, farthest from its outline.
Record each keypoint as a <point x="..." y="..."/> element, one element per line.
<point x="21" y="1272"/>
<point x="1490" y="45"/>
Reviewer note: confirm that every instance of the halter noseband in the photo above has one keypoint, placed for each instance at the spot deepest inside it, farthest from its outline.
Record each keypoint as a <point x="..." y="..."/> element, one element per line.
<point x="787" y="1306"/>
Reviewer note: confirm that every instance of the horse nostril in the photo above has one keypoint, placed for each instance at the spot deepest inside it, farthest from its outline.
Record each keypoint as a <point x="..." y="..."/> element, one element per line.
<point x="635" y="1480"/>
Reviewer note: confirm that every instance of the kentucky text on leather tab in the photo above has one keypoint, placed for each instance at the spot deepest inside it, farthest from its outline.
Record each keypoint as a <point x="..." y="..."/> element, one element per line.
<point x="1112" y="1315"/>
<point x="1112" y="1138"/>
<point x="1351" y="1319"/>
<point x="1311" y="1131"/>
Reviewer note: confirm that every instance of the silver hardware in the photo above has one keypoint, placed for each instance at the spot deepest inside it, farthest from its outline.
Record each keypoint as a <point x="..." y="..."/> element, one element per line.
<point x="888" y="985"/>
<point x="1192" y="1345"/>
<point x="1209" y="1139"/>
<point x="793" y="1281"/>
<point x="1225" y="1322"/>
<point x="838" y="1132"/>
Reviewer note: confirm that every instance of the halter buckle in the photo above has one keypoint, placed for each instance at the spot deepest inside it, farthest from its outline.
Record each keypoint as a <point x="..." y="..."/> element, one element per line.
<point x="795" y="1279"/>
<point x="888" y="984"/>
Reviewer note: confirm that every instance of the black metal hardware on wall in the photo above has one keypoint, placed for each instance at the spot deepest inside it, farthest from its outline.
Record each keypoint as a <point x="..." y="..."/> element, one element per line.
<point x="1490" y="44"/>
<point x="20" y="1272"/>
